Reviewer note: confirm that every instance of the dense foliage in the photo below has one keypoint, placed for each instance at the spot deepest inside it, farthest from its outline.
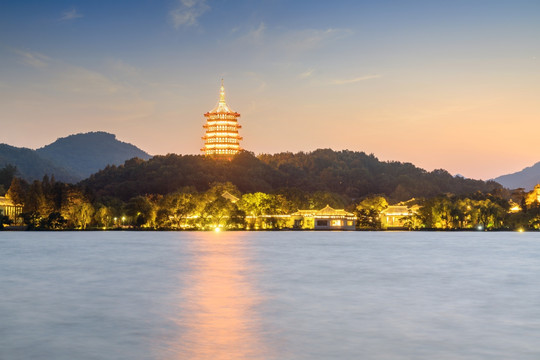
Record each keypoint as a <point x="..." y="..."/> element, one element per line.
<point x="352" y="175"/>
<point x="248" y="192"/>
<point x="6" y="176"/>
<point x="52" y="205"/>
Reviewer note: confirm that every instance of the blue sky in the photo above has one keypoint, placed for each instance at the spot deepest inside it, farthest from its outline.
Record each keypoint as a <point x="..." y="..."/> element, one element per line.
<point x="442" y="84"/>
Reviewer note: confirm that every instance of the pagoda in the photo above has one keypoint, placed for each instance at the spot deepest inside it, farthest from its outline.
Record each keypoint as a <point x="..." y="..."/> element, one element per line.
<point x="221" y="138"/>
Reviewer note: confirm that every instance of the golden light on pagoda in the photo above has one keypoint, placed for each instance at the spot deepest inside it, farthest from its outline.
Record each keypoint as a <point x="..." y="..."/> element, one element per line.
<point x="221" y="138"/>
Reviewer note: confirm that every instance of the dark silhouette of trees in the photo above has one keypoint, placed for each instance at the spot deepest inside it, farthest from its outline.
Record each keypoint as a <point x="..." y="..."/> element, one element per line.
<point x="7" y="174"/>
<point x="350" y="175"/>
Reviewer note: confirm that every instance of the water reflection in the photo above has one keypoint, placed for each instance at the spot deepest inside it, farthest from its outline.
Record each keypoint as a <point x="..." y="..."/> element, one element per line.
<point x="219" y="320"/>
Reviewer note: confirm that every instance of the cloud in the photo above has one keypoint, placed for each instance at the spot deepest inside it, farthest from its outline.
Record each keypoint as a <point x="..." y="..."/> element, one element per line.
<point x="76" y="79"/>
<point x="71" y="14"/>
<point x="72" y="79"/>
<point x="187" y="12"/>
<point x="258" y="33"/>
<point x="33" y="59"/>
<point x="306" y="74"/>
<point x="253" y="36"/>
<point x="257" y="78"/>
<point x="307" y="39"/>
<point x="120" y="67"/>
<point x="288" y="41"/>
<point x="355" y="80"/>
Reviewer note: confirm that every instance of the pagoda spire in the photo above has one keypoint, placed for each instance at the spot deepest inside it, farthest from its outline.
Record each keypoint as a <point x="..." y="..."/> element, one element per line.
<point x="222" y="93"/>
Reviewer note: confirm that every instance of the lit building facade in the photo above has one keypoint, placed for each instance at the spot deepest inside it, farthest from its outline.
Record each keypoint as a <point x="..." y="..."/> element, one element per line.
<point x="395" y="217"/>
<point x="9" y="209"/>
<point x="221" y="138"/>
<point x="324" y="219"/>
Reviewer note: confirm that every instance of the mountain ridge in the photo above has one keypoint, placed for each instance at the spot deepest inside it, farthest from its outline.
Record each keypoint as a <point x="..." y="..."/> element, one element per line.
<point x="526" y="178"/>
<point x="71" y="158"/>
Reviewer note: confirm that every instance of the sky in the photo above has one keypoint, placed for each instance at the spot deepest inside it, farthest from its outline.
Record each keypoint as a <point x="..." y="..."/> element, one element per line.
<point x="440" y="84"/>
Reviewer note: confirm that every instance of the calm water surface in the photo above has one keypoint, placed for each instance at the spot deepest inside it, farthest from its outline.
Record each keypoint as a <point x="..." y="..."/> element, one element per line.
<point x="269" y="295"/>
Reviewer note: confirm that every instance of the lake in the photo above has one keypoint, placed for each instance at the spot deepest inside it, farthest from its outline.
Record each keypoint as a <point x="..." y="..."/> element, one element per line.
<point x="269" y="295"/>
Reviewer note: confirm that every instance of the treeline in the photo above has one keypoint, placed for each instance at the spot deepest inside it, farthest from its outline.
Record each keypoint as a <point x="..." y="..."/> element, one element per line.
<point x="352" y="175"/>
<point x="476" y="211"/>
<point x="187" y="192"/>
<point x="52" y="205"/>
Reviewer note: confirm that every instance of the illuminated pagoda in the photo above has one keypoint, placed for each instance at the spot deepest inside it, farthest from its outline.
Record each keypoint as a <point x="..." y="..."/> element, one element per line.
<point x="221" y="138"/>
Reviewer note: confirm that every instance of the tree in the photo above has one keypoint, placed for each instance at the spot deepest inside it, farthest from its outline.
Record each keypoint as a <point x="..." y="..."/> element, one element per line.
<point x="217" y="212"/>
<point x="369" y="210"/>
<point x="491" y="214"/>
<point x="104" y="217"/>
<point x="7" y="174"/>
<point x="54" y="221"/>
<point x="35" y="205"/>
<point x="179" y="206"/>
<point x="17" y="191"/>
<point x="322" y="198"/>
<point x="4" y="220"/>
<point x="142" y="211"/>
<point x="77" y="209"/>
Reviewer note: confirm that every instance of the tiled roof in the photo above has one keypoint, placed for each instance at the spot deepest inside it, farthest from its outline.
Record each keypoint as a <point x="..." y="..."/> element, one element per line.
<point x="326" y="211"/>
<point x="5" y="201"/>
<point x="396" y="210"/>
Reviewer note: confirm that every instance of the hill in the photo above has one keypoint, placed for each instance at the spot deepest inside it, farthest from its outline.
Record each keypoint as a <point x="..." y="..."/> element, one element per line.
<point x="70" y="159"/>
<point x="30" y="165"/>
<point x="526" y="178"/>
<point x="85" y="154"/>
<point x="352" y="175"/>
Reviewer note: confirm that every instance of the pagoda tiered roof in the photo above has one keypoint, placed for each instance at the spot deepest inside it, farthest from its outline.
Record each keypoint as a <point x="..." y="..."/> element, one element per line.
<point x="222" y="107"/>
<point x="221" y="137"/>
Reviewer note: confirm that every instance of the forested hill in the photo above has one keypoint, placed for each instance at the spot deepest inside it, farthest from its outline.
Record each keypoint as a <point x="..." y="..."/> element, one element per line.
<point x="30" y="165"/>
<point x="350" y="174"/>
<point x="84" y="154"/>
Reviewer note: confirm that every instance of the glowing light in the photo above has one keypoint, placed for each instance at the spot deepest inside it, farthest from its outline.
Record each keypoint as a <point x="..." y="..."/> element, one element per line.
<point x="217" y="229"/>
<point x="221" y="137"/>
<point x="520" y="230"/>
<point x="218" y="305"/>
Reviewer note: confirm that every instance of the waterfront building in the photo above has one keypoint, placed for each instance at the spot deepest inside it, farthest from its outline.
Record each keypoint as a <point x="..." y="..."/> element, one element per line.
<point x="221" y="138"/>
<point x="9" y="209"/>
<point x="514" y="207"/>
<point x="395" y="217"/>
<point x="227" y="195"/>
<point x="534" y="196"/>
<point x="324" y="219"/>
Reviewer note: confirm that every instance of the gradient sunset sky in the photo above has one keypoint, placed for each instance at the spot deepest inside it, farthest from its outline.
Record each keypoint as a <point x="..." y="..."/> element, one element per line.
<point x="442" y="84"/>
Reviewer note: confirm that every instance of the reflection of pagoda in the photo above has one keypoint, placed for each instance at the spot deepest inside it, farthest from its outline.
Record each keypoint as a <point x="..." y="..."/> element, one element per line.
<point x="221" y="138"/>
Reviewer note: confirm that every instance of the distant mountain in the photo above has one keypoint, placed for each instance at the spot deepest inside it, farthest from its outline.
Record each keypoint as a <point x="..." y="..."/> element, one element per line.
<point x="30" y="165"/>
<point x="85" y="154"/>
<point x="72" y="158"/>
<point x="526" y="178"/>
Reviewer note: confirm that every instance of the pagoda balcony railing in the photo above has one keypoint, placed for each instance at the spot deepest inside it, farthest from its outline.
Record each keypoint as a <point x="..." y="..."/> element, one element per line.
<point x="230" y="134"/>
